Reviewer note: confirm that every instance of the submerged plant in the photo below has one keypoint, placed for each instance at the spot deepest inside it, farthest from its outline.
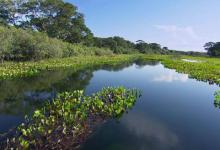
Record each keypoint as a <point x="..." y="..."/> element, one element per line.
<point x="67" y="120"/>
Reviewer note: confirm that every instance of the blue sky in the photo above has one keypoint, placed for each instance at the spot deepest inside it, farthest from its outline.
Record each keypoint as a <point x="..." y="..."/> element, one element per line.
<point x="178" y="24"/>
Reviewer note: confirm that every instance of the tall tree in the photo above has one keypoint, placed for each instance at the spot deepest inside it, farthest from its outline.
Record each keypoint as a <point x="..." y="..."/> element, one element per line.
<point x="8" y="12"/>
<point x="213" y="49"/>
<point x="155" y="46"/>
<point x="57" y="18"/>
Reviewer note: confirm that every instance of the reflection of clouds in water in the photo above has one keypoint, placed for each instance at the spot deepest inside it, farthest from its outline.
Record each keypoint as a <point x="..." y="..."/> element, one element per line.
<point x="148" y="129"/>
<point x="171" y="76"/>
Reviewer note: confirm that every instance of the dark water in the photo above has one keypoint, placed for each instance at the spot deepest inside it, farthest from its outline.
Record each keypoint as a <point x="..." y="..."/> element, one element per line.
<point x="174" y="112"/>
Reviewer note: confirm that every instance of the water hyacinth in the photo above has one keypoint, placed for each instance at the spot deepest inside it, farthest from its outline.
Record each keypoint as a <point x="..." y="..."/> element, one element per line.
<point x="206" y="69"/>
<point x="67" y="120"/>
<point x="9" y="70"/>
<point x="217" y="99"/>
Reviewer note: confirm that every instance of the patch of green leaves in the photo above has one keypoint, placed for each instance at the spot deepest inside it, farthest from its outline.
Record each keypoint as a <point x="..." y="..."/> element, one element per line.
<point x="72" y="114"/>
<point x="217" y="99"/>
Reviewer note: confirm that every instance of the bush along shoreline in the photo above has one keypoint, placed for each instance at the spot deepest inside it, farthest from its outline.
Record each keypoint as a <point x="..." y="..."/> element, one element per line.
<point x="69" y="119"/>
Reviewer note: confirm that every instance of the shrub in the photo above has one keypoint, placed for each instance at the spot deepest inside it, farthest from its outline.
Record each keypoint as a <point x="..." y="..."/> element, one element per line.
<point x="21" y="45"/>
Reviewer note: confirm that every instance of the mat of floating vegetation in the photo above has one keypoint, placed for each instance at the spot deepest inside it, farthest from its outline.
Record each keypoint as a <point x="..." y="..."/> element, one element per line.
<point x="69" y="119"/>
<point x="217" y="99"/>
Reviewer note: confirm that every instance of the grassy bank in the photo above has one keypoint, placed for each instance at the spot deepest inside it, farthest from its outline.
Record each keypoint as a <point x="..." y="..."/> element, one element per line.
<point x="205" y="69"/>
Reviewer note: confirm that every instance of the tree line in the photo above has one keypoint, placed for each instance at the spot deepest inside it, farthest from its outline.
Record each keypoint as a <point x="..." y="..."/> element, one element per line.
<point x="57" y="18"/>
<point x="37" y="19"/>
<point x="23" y="45"/>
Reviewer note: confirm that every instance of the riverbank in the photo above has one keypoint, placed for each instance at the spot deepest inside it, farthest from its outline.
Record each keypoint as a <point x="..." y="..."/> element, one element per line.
<point x="10" y="70"/>
<point x="204" y="69"/>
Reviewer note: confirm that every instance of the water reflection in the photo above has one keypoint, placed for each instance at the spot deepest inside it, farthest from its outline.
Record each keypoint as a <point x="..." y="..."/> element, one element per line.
<point x="20" y="97"/>
<point x="169" y="116"/>
<point x="142" y="63"/>
<point x="134" y="131"/>
<point x="148" y="129"/>
<point x="171" y="76"/>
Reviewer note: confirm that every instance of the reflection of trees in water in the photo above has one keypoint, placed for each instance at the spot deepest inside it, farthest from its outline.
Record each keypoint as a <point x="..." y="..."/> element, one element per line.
<point x="19" y="97"/>
<point x="116" y="67"/>
<point x="75" y="81"/>
<point x="141" y="63"/>
<point x="22" y="96"/>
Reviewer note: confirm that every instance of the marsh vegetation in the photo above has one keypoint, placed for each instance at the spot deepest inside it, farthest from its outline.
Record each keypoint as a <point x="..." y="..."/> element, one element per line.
<point x="131" y="71"/>
<point x="52" y="67"/>
<point x="67" y="120"/>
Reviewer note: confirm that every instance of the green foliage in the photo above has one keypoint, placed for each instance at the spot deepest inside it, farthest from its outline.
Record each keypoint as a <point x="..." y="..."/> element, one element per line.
<point x="18" y="44"/>
<point x="7" y="12"/>
<point x="213" y="49"/>
<point x="217" y="99"/>
<point x="150" y="48"/>
<point x="23" y="69"/>
<point x="61" y="20"/>
<point x="57" y="18"/>
<point x="117" y="44"/>
<point x="206" y="69"/>
<point x="71" y="115"/>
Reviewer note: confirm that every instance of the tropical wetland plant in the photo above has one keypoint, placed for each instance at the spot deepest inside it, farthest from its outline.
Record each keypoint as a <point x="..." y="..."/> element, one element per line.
<point x="205" y="69"/>
<point x="217" y="99"/>
<point x="10" y="70"/>
<point x="67" y="120"/>
<point x="202" y="68"/>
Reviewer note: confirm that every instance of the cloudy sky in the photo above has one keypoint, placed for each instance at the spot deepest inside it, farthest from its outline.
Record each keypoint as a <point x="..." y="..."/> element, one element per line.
<point x="178" y="24"/>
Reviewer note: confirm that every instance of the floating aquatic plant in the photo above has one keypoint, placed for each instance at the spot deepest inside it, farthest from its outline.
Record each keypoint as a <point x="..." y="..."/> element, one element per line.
<point x="67" y="120"/>
<point x="217" y="99"/>
<point x="10" y="70"/>
<point x="208" y="69"/>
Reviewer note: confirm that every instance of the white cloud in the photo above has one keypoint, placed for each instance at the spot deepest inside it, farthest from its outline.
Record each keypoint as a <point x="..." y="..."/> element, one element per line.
<point x="176" y="31"/>
<point x="184" y="38"/>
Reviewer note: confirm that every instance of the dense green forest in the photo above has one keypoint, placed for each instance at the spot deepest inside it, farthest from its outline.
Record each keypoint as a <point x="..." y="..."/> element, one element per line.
<point x="34" y="30"/>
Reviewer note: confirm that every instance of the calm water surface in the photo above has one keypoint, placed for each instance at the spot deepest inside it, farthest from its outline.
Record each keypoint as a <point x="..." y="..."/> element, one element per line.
<point x="174" y="112"/>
